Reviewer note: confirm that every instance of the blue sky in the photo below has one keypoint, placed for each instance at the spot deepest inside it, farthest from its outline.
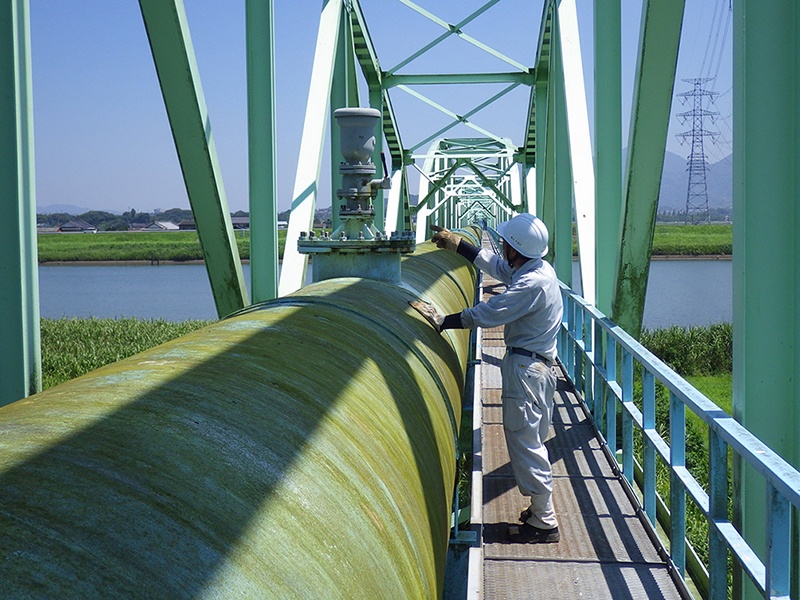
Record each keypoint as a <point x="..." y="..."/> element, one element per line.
<point x="103" y="140"/>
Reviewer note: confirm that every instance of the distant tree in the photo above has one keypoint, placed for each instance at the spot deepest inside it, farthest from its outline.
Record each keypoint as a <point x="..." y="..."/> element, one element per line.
<point x="54" y="219"/>
<point x="97" y="217"/>
<point x="175" y="215"/>
<point x="118" y="224"/>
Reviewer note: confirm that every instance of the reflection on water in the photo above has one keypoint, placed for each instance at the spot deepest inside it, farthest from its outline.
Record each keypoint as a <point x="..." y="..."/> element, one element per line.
<point x="685" y="292"/>
<point x="680" y="292"/>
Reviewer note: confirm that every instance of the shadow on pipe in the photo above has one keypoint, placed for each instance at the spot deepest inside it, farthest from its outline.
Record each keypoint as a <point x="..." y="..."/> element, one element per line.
<point x="304" y="447"/>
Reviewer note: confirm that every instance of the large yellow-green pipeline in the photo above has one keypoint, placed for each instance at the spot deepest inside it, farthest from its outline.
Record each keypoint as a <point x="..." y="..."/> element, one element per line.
<point x="303" y="448"/>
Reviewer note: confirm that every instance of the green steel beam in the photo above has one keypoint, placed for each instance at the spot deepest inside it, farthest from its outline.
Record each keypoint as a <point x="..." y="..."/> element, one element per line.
<point x="537" y="109"/>
<point x="580" y="144"/>
<point x="608" y="145"/>
<point x="458" y="119"/>
<point x="561" y="231"/>
<point x="440" y="183"/>
<point x="173" y="54"/>
<point x="376" y="101"/>
<point x="262" y="150"/>
<point x="371" y="68"/>
<point x="454" y="29"/>
<point x="20" y="367"/>
<point x="546" y="206"/>
<point x="501" y="196"/>
<point x="423" y="213"/>
<point x="344" y="93"/>
<point x="766" y="252"/>
<point x="398" y="209"/>
<point x="524" y="78"/>
<point x="655" y="79"/>
<point x="543" y="112"/>
<point x="309" y="162"/>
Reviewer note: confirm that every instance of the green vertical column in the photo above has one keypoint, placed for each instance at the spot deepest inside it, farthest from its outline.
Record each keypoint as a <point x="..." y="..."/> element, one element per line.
<point x="20" y="367"/>
<point x="562" y="235"/>
<point x="376" y="101"/>
<point x="173" y="54"/>
<point x="655" y="80"/>
<point x="542" y="140"/>
<point x="309" y="160"/>
<point x="608" y="145"/>
<point x="344" y="93"/>
<point x="766" y="253"/>
<point x="262" y="150"/>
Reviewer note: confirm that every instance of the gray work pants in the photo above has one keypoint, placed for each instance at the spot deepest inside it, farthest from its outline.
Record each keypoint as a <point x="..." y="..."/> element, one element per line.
<point x="528" y="389"/>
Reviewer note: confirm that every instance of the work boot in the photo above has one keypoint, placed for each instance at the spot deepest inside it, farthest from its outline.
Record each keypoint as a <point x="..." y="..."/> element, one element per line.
<point x="528" y="534"/>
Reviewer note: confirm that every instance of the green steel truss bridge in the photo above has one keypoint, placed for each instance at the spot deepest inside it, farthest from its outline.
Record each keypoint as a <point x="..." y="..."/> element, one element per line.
<point x="569" y="178"/>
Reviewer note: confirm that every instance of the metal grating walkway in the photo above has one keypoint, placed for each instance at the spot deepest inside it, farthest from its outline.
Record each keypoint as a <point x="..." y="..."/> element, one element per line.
<point x="605" y="550"/>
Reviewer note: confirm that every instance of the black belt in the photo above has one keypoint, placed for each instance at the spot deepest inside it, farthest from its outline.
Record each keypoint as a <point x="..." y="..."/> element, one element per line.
<point x="529" y="354"/>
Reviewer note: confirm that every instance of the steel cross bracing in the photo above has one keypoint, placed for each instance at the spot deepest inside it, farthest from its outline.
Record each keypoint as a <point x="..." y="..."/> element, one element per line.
<point x="381" y="82"/>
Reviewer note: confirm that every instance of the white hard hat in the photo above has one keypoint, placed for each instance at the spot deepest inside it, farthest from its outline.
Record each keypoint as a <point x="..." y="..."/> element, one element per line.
<point x="525" y="233"/>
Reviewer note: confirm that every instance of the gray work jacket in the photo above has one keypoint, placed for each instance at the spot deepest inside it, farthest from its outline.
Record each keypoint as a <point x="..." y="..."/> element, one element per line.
<point x="530" y="308"/>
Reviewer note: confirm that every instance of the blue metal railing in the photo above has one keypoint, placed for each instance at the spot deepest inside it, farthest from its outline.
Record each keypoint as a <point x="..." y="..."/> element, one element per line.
<point x="589" y="347"/>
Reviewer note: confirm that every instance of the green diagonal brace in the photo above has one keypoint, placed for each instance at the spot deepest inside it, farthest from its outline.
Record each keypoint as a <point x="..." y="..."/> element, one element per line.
<point x="655" y="79"/>
<point x="488" y="183"/>
<point x="173" y="54"/>
<point x="439" y="184"/>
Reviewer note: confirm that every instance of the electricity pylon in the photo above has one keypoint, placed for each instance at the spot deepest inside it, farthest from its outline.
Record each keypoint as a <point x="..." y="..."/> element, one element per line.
<point x="696" y="162"/>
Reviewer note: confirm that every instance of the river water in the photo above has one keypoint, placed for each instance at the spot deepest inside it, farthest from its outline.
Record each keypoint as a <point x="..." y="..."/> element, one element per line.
<point x="680" y="292"/>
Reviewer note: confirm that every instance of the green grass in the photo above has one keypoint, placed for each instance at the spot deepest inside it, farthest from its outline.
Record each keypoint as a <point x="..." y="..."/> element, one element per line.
<point x="73" y="347"/>
<point x="693" y="350"/>
<point x="140" y="245"/>
<point x="693" y="240"/>
<point x="678" y="240"/>
<point x="717" y="388"/>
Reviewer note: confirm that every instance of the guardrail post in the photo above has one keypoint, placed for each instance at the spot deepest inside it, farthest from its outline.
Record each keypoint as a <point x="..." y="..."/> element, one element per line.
<point x="718" y="511"/>
<point x="677" y="494"/>
<point x="779" y="541"/>
<point x="588" y="363"/>
<point x="570" y="312"/>
<point x="649" y="425"/>
<point x="627" y="420"/>
<point x="611" y="397"/>
<point x="578" y="349"/>
<point x="599" y="389"/>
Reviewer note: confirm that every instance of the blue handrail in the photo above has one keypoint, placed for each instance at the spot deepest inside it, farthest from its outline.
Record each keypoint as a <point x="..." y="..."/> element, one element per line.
<point x="589" y="345"/>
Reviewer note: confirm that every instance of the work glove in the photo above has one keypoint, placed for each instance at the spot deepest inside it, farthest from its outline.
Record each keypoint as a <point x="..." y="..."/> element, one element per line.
<point x="444" y="238"/>
<point x="430" y="313"/>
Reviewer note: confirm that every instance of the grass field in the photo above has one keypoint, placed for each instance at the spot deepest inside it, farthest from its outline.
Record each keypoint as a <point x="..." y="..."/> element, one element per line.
<point x="693" y="240"/>
<point x="184" y="245"/>
<point x="73" y="347"/>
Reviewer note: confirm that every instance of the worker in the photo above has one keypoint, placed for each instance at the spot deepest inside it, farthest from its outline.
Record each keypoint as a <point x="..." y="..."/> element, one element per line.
<point x="530" y="310"/>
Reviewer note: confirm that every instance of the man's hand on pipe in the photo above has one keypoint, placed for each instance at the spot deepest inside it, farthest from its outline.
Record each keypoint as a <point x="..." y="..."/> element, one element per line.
<point x="430" y="313"/>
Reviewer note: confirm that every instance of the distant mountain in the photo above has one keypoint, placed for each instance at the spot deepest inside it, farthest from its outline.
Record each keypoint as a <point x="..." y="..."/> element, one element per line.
<point x="69" y="209"/>
<point x="675" y="183"/>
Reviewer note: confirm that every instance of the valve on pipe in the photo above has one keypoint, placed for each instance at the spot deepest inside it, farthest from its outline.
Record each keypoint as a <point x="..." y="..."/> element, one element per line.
<point x="357" y="247"/>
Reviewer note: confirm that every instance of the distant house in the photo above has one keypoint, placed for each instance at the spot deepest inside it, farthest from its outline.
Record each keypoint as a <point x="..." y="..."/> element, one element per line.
<point x="187" y="225"/>
<point x="137" y="226"/>
<point x="161" y="226"/>
<point x="77" y="226"/>
<point x="240" y="222"/>
<point x="283" y="224"/>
